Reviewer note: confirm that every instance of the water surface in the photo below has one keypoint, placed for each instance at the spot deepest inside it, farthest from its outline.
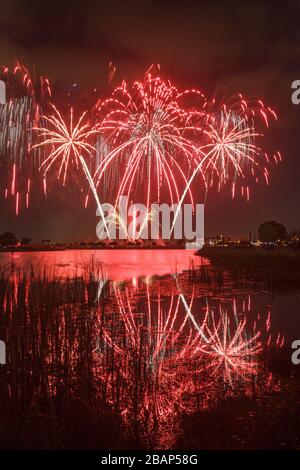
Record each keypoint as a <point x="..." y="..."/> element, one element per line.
<point x="116" y="348"/>
<point x="114" y="264"/>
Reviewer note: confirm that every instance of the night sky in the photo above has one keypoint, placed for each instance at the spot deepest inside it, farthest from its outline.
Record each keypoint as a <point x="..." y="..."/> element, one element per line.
<point x="252" y="47"/>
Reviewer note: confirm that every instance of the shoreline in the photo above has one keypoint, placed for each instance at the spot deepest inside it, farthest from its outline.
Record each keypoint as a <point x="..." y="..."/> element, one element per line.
<point x="104" y="248"/>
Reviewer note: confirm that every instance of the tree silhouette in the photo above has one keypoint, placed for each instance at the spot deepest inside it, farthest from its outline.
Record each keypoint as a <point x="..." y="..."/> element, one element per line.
<point x="272" y="231"/>
<point x="8" y="239"/>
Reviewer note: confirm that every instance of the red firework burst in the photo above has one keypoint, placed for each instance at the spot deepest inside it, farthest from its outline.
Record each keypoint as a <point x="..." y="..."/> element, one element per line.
<point x="67" y="141"/>
<point x="148" y="131"/>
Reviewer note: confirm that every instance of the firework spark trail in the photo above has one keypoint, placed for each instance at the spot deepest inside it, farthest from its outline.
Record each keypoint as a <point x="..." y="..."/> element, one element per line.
<point x="233" y="128"/>
<point x="153" y="384"/>
<point x="66" y="140"/>
<point x="234" y="351"/>
<point x="148" y="133"/>
<point x="93" y="189"/>
<point x="150" y="140"/>
<point x="156" y="141"/>
<point x="152" y="343"/>
<point x="28" y="97"/>
<point x="114" y="220"/>
<point x="28" y="83"/>
<point x="232" y="133"/>
<point x="158" y="349"/>
<point x="38" y="87"/>
<point x="229" y="148"/>
<point x="15" y="140"/>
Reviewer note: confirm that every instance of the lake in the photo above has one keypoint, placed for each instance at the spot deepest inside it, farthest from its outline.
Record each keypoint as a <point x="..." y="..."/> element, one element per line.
<point x="115" y="264"/>
<point x="136" y="348"/>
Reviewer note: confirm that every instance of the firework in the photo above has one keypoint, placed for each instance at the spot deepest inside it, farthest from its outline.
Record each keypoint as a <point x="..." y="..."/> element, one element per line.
<point x="230" y="348"/>
<point x="148" y="131"/>
<point x="181" y="350"/>
<point x="65" y="141"/>
<point x="232" y="135"/>
<point x="229" y="147"/>
<point x="68" y="143"/>
<point x="28" y="97"/>
<point x="29" y="82"/>
<point x="157" y="144"/>
<point x="148" y="141"/>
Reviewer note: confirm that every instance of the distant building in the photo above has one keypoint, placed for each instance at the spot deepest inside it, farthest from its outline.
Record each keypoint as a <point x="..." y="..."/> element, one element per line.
<point x="218" y="240"/>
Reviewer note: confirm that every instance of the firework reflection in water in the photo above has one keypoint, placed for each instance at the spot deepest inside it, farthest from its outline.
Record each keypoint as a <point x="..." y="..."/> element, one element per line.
<point x="150" y="351"/>
<point x="176" y="353"/>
